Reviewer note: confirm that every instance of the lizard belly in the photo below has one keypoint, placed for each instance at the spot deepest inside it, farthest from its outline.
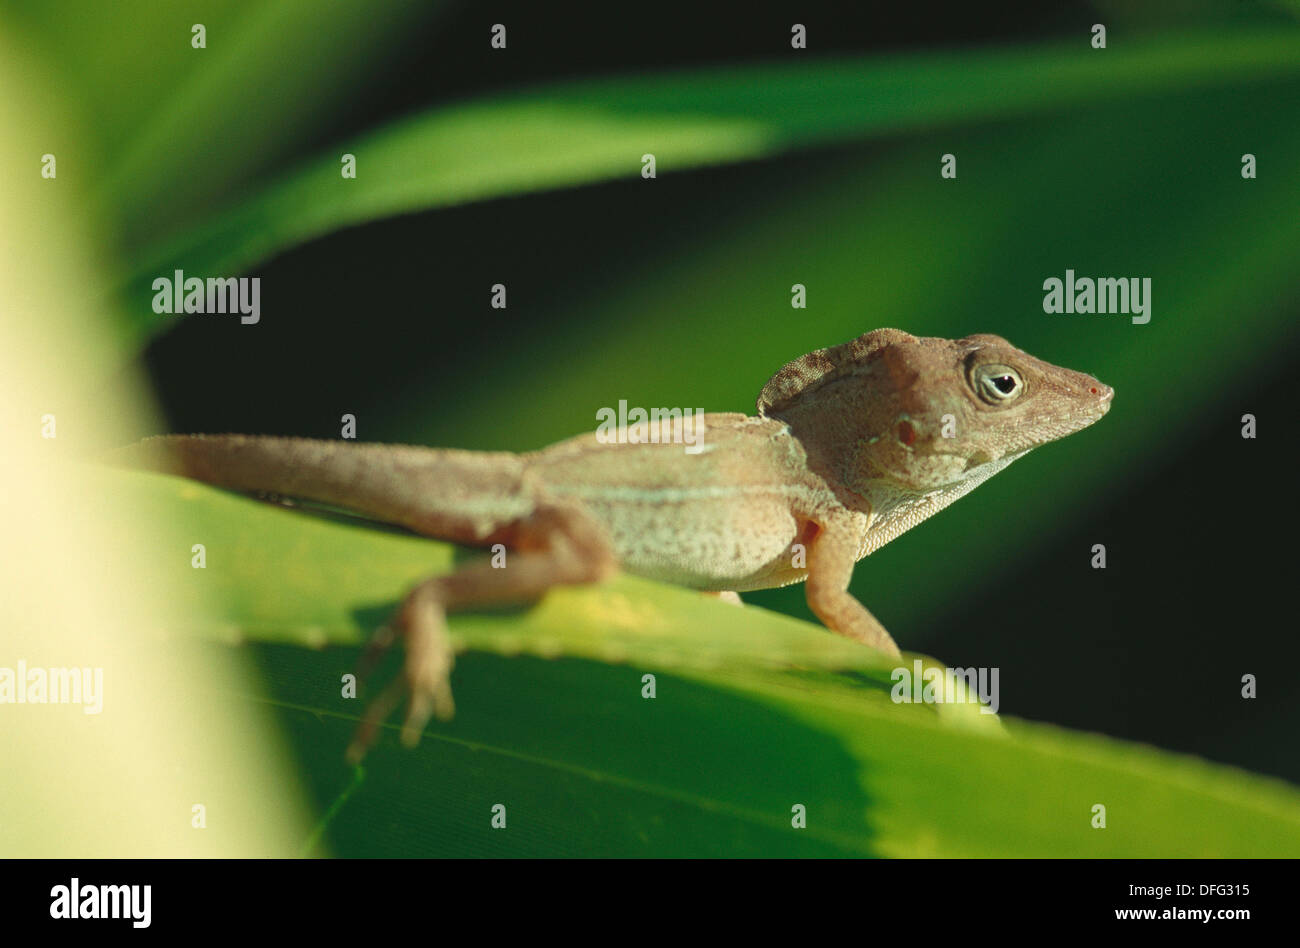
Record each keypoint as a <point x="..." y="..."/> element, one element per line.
<point x="704" y="543"/>
<point x="719" y="517"/>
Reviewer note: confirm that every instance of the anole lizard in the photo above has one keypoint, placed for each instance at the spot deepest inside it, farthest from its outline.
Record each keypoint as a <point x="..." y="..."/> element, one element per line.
<point x="851" y="446"/>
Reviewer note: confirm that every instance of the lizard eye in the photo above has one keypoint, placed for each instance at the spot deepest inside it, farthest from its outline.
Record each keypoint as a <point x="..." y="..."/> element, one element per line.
<point x="997" y="383"/>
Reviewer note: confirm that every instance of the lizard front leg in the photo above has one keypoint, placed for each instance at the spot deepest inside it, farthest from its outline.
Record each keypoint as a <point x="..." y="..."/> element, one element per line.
<point x="832" y="553"/>
<point x="552" y="546"/>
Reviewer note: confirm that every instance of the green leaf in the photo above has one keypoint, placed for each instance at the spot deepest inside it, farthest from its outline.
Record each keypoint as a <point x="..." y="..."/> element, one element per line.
<point x="753" y="715"/>
<point x="714" y="764"/>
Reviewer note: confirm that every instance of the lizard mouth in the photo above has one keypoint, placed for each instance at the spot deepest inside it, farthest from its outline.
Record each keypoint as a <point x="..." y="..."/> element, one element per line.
<point x="1100" y="406"/>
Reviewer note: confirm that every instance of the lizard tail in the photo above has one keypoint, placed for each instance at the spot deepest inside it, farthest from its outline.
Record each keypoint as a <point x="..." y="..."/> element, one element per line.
<point x="465" y="496"/>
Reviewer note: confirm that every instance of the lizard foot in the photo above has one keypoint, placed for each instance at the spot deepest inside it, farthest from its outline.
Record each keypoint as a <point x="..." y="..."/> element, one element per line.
<point x="554" y="546"/>
<point x="426" y="671"/>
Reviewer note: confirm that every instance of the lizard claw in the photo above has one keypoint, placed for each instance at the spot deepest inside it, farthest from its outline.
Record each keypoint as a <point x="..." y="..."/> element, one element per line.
<point x="376" y="713"/>
<point x="376" y="648"/>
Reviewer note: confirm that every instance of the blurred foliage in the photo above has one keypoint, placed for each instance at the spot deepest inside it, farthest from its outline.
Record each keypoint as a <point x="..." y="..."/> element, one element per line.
<point x="676" y="292"/>
<point x="123" y="778"/>
<point x="182" y="129"/>
<point x="589" y="131"/>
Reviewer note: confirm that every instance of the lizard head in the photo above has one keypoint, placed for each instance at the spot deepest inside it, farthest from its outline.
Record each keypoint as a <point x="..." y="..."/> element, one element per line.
<point x="959" y="405"/>
<point x="929" y="413"/>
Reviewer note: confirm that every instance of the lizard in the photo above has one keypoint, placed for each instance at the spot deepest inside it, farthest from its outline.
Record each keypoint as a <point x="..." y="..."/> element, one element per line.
<point x="851" y="446"/>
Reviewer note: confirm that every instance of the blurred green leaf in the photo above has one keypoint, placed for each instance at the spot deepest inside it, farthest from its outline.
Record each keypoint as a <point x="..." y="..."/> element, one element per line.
<point x="181" y="129"/>
<point x="596" y="130"/>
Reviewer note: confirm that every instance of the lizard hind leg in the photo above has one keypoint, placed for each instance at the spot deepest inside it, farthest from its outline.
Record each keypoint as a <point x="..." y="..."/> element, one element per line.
<point x="552" y="546"/>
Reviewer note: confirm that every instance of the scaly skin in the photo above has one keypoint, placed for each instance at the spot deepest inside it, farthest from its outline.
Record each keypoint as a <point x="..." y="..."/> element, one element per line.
<point x="851" y="446"/>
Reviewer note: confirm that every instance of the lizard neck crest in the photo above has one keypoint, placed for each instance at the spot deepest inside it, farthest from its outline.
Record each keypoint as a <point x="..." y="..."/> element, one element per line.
<point x="810" y="372"/>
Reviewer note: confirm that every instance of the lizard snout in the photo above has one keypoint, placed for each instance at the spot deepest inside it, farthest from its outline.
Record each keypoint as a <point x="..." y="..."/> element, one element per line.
<point x="1097" y="390"/>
